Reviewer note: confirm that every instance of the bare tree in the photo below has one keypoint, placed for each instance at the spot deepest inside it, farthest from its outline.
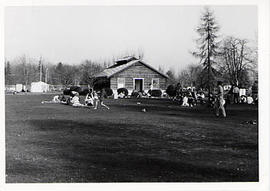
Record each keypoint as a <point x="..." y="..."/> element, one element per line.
<point x="237" y="59"/>
<point x="192" y="76"/>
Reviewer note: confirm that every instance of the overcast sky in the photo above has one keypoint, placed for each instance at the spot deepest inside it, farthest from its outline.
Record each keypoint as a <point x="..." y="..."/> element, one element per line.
<point x="165" y="34"/>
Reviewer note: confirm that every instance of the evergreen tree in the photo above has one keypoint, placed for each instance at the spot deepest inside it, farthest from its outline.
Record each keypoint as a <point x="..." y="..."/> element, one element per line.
<point x="208" y="45"/>
<point x="59" y="70"/>
<point x="171" y="76"/>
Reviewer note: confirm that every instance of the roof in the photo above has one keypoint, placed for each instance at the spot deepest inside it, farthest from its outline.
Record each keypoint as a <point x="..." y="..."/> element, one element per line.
<point x="116" y="68"/>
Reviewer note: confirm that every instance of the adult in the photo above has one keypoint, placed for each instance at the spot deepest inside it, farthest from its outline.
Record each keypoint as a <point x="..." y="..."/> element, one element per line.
<point x="230" y="95"/>
<point x="220" y="100"/>
<point x="236" y="91"/>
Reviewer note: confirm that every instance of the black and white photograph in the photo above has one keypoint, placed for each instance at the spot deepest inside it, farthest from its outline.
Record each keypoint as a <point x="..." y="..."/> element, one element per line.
<point x="132" y="94"/>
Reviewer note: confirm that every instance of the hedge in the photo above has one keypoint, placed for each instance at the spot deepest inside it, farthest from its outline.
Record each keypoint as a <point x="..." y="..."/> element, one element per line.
<point x="122" y="90"/>
<point x="155" y="93"/>
<point x="171" y="90"/>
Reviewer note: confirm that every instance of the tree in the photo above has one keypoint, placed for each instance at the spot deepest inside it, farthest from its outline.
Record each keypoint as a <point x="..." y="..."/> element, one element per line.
<point x="192" y="76"/>
<point x="237" y="60"/>
<point x="208" y="45"/>
<point x="8" y="75"/>
<point x="183" y="78"/>
<point x="171" y="76"/>
<point x="59" y="70"/>
<point x="160" y="69"/>
<point x="87" y="70"/>
<point x="68" y="75"/>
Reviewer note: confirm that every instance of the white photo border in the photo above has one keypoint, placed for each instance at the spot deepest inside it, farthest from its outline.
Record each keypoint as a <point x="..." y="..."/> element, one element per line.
<point x="264" y="105"/>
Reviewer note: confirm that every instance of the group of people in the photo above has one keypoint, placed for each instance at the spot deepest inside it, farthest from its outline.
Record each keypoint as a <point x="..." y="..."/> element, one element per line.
<point x="93" y="99"/>
<point x="234" y="96"/>
<point x="189" y="98"/>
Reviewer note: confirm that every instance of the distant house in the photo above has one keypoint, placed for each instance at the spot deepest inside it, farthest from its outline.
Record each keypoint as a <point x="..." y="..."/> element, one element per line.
<point x="133" y="74"/>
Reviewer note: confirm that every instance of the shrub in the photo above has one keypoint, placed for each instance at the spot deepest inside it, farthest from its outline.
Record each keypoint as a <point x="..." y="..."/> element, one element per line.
<point x="66" y="91"/>
<point x="84" y="92"/>
<point x="155" y="93"/>
<point x="108" y="91"/>
<point x="135" y="94"/>
<point x="171" y="90"/>
<point x="75" y="88"/>
<point x="122" y="90"/>
<point x="101" y="83"/>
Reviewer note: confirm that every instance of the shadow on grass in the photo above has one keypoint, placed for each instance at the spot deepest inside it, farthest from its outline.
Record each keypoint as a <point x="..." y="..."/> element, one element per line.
<point x="72" y="151"/>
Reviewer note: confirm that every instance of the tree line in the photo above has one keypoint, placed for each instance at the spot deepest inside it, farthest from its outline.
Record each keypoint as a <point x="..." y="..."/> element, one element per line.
<point x="228" y="59"/>
<point x="23" y="70"/>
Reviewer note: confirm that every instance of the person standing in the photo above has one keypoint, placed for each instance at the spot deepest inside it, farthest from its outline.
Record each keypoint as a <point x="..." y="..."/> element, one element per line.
<point x="220" y="100"/>
<point x="236" y="91"/>
<point x="96" y="99"/>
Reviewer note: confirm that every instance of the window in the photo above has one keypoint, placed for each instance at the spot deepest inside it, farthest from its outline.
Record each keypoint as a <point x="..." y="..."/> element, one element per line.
<point x="155" y="83"/>
<point x="120" y="83"/>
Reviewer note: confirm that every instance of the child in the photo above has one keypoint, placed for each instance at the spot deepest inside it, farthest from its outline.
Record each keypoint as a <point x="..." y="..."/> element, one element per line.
<point x="100" y="96"/>
<point x="76" y="101"/>
<point x="249" y="100"/>
<point x="185" y="101"/>
<point x="89" y="99"/>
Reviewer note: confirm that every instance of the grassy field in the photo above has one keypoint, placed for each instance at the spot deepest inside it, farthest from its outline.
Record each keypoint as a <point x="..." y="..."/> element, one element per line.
<point x="168" y="143"/>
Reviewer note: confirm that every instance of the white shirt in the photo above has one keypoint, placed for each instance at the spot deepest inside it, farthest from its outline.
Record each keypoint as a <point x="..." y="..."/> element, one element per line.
<point x="75" y="100"/>
<point x="56" y="98"/>
<point x="249" y="100"/>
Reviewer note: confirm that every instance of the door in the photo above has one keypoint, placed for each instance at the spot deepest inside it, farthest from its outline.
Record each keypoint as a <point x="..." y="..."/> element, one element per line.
<point x="139" y="85"/>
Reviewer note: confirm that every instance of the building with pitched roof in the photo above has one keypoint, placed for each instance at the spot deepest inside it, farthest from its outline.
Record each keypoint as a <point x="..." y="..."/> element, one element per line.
<point x="133" y="74"/>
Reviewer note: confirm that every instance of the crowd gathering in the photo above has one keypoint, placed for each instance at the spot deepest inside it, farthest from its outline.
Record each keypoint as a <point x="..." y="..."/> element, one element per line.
<point x="189" y="97"/>
<point x="93" y="99"/>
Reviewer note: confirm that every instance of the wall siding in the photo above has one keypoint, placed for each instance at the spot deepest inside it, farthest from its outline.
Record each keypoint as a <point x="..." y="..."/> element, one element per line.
<point x="138" y="71"/>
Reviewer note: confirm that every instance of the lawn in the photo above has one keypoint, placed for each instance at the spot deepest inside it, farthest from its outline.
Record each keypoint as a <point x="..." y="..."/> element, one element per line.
<point x="167" y="143"/>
